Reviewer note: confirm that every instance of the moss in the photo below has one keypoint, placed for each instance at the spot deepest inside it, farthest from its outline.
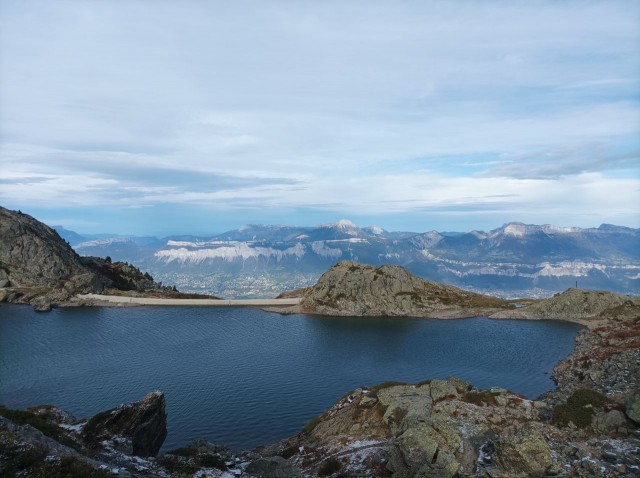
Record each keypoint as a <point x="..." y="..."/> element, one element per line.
<point x="70" y="467"/>
<point x="312" y="424"/>
<point x="185" y="451"/>
<point x="211" y="461"/>
<point x="329" y="467"/>
<point x="387" y="384"/>
<point x="177" y="465"/>
<point x="22" y="417"/>
<point x="95" y="422"/>
<point x="579" y="408"/>
<point x="288" y="452"/>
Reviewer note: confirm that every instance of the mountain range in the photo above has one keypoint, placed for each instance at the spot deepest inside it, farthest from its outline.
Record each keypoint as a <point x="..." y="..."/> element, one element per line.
<point x="515" y="260"/>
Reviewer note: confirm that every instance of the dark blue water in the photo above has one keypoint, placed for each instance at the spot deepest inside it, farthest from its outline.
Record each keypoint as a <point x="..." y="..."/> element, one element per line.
<point x="243" y="377"/>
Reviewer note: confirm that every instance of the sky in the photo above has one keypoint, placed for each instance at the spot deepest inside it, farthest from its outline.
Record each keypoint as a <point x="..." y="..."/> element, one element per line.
<point x="196" y="116"/>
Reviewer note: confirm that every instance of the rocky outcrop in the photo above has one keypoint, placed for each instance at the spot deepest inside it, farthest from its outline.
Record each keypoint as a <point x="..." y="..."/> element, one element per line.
<point x="33" y="254"/>
<point x="578" y="305"/>
<point x="353" y="289"/>
<point x="38" y="267"/>
<point x="142" y="425"/>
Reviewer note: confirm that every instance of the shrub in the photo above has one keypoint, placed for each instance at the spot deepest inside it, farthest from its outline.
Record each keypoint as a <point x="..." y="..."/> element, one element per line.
<point x="177" y="465"/>
<point x="185" y="451"/>
<point x="211" y="461"/>
<point x="22" y="417"/>
<point x="579" y="408"/>
<point x="388" y="384"/>
<point x="288" y="452"/>
<point x="70" y="467"/>
<point x="309" y="427"/>
<point x="98" y="420"/>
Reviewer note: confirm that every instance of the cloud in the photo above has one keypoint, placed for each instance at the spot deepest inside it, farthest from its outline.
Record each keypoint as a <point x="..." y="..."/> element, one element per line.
<point x="339" y="106"/>
<point x="567" y="161"/>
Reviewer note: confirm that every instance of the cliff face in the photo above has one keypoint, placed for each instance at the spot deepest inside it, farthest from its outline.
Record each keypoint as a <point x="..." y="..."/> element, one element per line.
<point x="33" y="254"/>
<point x="352" y="289"/>
<point x="38" y="267"/>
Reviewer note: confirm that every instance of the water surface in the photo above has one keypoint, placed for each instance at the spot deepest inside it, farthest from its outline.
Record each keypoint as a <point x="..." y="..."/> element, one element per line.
<point x="243" y="377"/>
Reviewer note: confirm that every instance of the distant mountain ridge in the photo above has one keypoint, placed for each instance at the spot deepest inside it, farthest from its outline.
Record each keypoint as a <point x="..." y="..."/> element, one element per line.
<point x="515" y="259"/>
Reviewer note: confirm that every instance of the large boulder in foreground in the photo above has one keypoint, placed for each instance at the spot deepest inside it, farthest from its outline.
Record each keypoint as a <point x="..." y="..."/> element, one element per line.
<point x="353" y="289"/>
<point x="143" y="424"/>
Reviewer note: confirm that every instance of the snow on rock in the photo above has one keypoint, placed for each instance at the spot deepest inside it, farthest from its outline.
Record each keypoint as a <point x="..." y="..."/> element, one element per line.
<point x="104" y="242"/>
<point x="575" y="268"/>
<point x="229" y="253"/>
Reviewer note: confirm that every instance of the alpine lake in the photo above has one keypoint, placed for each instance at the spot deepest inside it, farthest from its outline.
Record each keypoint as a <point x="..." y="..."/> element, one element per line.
<point x="242" y="377"/>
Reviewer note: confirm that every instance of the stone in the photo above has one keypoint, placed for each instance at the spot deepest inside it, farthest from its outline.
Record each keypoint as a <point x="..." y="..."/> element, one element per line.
<point x="524" y="453"/>
<point x="42" y="304"/>
<point x="608" y="422"/>
<point x="144" y="423"/>
<point x="273" y="467"/>
<point x="632" y="406"/>
<point x="441" y="389"/>
<point x="367" y="401"/>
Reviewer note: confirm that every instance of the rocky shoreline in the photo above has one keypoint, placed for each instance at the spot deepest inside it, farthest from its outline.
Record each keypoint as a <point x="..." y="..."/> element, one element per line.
<point x="587" y="427"/>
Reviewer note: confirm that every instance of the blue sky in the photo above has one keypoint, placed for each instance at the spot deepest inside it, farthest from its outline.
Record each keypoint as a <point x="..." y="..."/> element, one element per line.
<point x="200" y="116"/>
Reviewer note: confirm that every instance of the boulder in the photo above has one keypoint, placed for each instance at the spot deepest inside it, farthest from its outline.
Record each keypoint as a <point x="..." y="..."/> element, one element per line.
<point x="41" y="304"/>
<point x="524" y="453"/>
<point x="441" y="389"/>
<point x="632" y="406"/>
<point x="143" y="423"/>
<point x="273" y="467"/>
<point x="608" y="422"/>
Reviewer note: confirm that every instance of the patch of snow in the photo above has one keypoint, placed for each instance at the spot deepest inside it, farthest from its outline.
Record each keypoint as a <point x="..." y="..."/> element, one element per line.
<point x="104" y="242"/>
<point x="345" y="224"/>
<point x="73" y="428"/>
<point x="228" y="253"/>
<point x="575" y="268"/>
<point x="377" y="230"/>
<point x="515" y="229"/>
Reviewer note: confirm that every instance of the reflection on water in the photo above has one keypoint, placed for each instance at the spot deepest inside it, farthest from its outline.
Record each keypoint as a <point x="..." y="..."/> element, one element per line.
<point x="243" y="377"/>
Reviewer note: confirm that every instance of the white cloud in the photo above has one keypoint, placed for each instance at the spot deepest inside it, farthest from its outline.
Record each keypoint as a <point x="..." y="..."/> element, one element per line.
<point x="307" y="104"/>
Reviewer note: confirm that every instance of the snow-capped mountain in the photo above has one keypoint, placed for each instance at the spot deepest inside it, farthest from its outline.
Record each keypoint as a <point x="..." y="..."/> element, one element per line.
<point x="515" y="259"/>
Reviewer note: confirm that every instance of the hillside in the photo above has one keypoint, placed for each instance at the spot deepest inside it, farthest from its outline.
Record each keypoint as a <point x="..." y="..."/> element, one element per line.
<point x="38" y="267"/>
<point x="353" y="289"/>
